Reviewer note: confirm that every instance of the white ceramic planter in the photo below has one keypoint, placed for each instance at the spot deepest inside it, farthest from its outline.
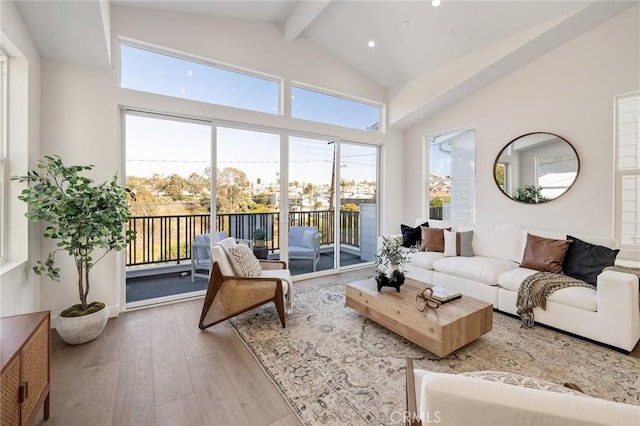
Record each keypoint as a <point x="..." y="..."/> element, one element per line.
<point x="79" y="330"/>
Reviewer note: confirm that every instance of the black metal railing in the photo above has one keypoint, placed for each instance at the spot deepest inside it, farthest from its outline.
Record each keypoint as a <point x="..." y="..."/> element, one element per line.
<point x="167" y="239"/>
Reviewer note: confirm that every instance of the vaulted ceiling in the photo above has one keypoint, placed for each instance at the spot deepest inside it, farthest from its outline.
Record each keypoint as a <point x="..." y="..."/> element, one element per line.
<point x="428" y="57"/>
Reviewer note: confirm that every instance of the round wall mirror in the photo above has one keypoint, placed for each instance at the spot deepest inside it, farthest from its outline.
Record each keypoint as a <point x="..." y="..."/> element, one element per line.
<point x="536" y="168"/>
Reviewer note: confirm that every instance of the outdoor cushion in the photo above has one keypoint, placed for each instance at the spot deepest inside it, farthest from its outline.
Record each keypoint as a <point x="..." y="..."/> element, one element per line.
<point x="309" y="238"/>
<point x="478" y="268"/>
<point x="203" y="242"/>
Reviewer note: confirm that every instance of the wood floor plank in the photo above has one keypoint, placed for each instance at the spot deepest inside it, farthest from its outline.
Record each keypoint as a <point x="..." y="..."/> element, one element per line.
<point x="215" y="393"/>
<point x="134" y="402"/>
<point x="290" y="420"/>
<point x="195" y="342"/>
<point x="183" y="412"/>
<point x="107" y="346"/>
<point x="85" y="398"/>
<point x="251" y="385"/>
<point x="171" y="379"/>
<point x="136" y="331"/>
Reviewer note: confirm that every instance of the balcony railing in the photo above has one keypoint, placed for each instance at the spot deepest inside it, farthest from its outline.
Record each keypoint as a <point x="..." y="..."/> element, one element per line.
<point x="167" y="239"/>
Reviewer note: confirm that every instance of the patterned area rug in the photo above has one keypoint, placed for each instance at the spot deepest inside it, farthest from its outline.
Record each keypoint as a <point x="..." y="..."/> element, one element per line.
<point x="336" y="367"/>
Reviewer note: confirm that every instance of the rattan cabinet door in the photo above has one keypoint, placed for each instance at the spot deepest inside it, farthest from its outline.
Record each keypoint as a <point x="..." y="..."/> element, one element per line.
<point x="35" y="369"/>
<point x="9" y="384"/>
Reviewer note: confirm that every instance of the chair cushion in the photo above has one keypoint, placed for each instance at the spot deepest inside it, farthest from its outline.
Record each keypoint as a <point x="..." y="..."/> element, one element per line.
<point x="203" y="247"/>
<point x="244" y="261"/>
<point x="309" y="238"/>
<point x="301" y="251"/>
<point x="478" y="268"/>
<point x="283" y="274"/>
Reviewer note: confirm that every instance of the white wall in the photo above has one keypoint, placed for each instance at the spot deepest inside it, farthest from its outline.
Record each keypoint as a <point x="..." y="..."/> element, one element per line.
<point x="80" y="108"/>
<point x="570" y="92"/>
<point x="19" y="287"/>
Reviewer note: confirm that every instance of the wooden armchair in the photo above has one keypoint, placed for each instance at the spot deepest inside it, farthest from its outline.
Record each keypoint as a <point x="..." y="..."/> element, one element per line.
<point x="230" y="294"/>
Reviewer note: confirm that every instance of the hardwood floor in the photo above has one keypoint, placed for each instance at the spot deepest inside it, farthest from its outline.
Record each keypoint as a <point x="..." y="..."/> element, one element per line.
<point x="155" y="367"/>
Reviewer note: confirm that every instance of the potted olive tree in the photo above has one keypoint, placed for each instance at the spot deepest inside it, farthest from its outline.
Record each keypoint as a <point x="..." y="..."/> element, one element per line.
<point x="87" y="220"/>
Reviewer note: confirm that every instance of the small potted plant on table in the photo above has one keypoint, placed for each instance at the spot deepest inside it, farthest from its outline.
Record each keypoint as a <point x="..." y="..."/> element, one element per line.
<point x="390" y="263"/>
<point x="88" y="221"/>
<point x="260" y="249"/>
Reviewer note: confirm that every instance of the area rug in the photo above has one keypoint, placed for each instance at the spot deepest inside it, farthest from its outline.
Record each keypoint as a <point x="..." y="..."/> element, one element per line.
<point x="335" y="367"/>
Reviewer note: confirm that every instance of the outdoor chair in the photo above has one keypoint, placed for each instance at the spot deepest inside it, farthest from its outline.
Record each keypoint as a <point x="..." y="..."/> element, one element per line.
<point x="231" y="293"/>
<point x="201" y="254"/>
<point x="304" y="243"/>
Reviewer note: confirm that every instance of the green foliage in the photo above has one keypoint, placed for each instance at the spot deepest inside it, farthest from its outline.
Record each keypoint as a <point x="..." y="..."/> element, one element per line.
<point x="439" y="202"/>
<point x="259" y="234"/>
<point x="83" y="216"/>
<point x="392" y="254"/>
<point x="530" y="194"/>
<point x="350" y="207"/>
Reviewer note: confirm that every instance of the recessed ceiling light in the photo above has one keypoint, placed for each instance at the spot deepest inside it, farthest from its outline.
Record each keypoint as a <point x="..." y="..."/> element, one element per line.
<point x="371" y="43"/>
<point x="436" y="3"/>
<point x="405" y="23"/>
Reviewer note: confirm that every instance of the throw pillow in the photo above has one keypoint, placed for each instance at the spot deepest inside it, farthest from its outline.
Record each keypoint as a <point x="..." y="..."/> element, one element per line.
<point x="309" y="238"/>
<point x="585" y="261"/>
<point x="433" y="239"/>
<point x="544" y="254"/>
<point x="244" y="261"/>
<point x="458" y="243"/>
<point x="411" y="236"/>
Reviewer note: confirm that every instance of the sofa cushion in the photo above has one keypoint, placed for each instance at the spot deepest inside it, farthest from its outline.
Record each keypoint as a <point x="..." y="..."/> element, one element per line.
<point x="433" y="239"/>
<point x="412" y="236"/>
<point x="478" y="268"/>
<point x="425" y="259"/>
<point x="577" y="297"/>
<point x="586" y="261"/>
<point x="458" y="243"/>
<point x="503" y="241"/>
<point x="544" y="254"/>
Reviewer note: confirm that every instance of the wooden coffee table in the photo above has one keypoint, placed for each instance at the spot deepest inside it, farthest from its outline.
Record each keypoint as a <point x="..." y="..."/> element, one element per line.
<point x="440" y="331"/>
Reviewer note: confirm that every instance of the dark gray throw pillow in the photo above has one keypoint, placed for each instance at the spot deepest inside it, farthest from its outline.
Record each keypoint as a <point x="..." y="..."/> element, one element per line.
<point x="585" y="261"/>
<point x="411" y="236"/>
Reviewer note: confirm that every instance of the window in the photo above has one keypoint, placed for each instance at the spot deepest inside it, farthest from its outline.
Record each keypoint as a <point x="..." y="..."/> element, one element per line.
<point x="167" y="75"/>
<point x="628" y="171"/>
<point x="3" y="154"/>
<point x="327" y="108"/>
<point x="451" y="191"/>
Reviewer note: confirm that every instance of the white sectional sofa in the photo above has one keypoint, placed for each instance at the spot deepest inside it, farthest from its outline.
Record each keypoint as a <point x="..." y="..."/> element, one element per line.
<point x="609" y="314"/>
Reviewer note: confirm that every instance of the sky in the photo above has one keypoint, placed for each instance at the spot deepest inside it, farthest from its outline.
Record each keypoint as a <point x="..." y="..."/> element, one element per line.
<point x="164" y="146"/>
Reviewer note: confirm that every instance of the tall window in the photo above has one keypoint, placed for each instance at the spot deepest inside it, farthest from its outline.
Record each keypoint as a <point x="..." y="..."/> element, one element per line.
<point x="167" y="75"/>
<point x="3" y="154"/>
<point x="315" y="105"/>
<point x="628" y="171"/>
<point x="451" y="191"/>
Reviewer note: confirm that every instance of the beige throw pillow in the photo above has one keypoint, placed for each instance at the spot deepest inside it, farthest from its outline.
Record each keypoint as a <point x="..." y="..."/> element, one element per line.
<point x="244" y="261"/>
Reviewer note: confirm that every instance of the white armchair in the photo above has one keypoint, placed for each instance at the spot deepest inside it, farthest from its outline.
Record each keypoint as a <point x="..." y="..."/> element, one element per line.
<point x="304" y="243"/>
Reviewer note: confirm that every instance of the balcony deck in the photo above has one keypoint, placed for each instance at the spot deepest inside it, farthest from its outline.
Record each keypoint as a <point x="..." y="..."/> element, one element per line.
<point x="152" y="286"/>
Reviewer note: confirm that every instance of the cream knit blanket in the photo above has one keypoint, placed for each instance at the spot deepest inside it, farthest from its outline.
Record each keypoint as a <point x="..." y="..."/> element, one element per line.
<point x="535" y="289"/>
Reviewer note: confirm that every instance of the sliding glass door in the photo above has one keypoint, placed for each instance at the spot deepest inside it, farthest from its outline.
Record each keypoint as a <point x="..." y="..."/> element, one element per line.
<point x="168" y="170"/>
<point x="247" y="187"/>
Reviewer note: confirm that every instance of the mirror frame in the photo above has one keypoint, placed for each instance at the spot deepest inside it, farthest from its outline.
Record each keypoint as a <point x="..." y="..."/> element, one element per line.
<point x="495" y="163"/>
